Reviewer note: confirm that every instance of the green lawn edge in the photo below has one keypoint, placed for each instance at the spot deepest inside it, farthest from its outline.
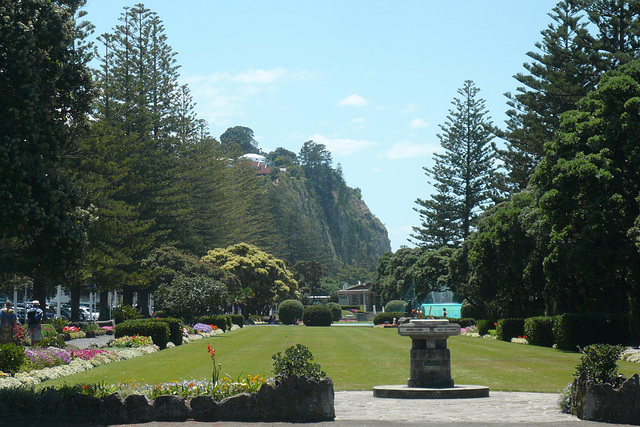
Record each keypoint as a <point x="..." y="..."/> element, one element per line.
<point x="356" y="358"/>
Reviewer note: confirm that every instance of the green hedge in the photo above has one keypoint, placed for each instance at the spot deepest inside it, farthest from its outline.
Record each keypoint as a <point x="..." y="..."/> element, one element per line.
<point x="222" y="321"/>
<point x="464" y="322"/>
<point x="396" y="305"/>
<point x="573" y="330"/>
<point x="484" y="326"/>
<point x="289" y="311"/>
<point x="539" y="330"/>
<point x="317" y="315"/>
<point x="351" y="307"/>
<point x="509" y="328"/>
<point x="336" y="311"/>
<point x="11" y="358"/>
<point x="237" y="319"/>
<point x="387" y="316"/>
<point x="158" y="331"/>
<point x="175" y="328"/>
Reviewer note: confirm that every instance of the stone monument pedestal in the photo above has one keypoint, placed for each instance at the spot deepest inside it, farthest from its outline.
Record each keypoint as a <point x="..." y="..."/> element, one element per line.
<point x="430" y="365"/>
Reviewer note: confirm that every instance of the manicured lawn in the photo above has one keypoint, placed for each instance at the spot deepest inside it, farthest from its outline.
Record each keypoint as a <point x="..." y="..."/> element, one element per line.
<point x="356" y="358"/>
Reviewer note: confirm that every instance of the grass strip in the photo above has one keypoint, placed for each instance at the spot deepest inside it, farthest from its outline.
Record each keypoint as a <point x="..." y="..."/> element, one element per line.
<point x="356" y="358"/>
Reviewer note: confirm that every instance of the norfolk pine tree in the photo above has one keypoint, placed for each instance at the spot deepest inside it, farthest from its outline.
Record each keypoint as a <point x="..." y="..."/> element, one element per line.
<point x="462" y="174"/>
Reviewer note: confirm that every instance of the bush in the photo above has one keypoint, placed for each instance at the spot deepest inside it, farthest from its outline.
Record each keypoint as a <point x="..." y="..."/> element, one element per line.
<point x="484" y="326"/>
<point x="509" y="328"/>
<point x="237" y="319"/>
<point x="222" y="321"/>
<point x="336" y="311"/>
<point x="158" y="331"/>
<point x="600" y="362"/>
<point x="469" y="310"/>
<point x="175" y="328"/>
<point x="572" y="330"/>
<point x="317" y="315"/>
<point x="464" y="322"/>
<point x="52" y="341"/>
<point x="387" y="316"/>
<point x="125" y="312"/>
<point x="296" y="362"/>
<point x="395" y="305"/>
<point x="11" y="358"/>
<point x="539" y="330"/>
<point x="189" y="297"/>
<point x="289" y="311"/>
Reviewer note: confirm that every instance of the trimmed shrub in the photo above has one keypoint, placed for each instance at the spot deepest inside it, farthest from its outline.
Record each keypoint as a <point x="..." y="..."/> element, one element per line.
<point x="296" y="361"/>
<point x="336" y="311"/>
<point x="509" y="328"/>
<point x="387" y="316"/>
<point x="484" y="326"/>
<point x="573" y="330"/>
<point x="289" y="311"/>
<point x="396" y="305"/>
<point x="158" y="331"/>
<point x="161" y="314"/>
<point x="237" y="319"/>
<point x="54" y="341"/>
<point x="175" y="328"/>
<point x="221" y="321"/>
<point x="600" y="362"/>
<point x="350" y="307"/>
<point x="464" y="322"/>
<point x="539" y="330"/>
<point x="317" y="315"/>
<point x="11" y="358"/>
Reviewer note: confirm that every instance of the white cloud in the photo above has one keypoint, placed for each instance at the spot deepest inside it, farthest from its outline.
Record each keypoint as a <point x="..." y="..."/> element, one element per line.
<point x="259" y="76"/>
<point x="357" y="121"/>
<point x="408" y="149"/>
<point x="410" y="108"/>
<point x="353" y="101"/>
<point x="419" y="123"/>
<point x="376" y="170"/>
<point x="342" y="146"/>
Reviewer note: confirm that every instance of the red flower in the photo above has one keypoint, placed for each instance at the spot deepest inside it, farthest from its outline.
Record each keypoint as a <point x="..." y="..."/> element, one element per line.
<point x="212" y="351"/>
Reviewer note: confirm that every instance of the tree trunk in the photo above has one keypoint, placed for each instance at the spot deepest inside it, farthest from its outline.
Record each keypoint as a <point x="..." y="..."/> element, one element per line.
<point x="104" y="306"/>
<point x="143" y="302"/>
<point x="127" y="296"/>
<point x="75" y="303"/>
<point x="40" y="292"/>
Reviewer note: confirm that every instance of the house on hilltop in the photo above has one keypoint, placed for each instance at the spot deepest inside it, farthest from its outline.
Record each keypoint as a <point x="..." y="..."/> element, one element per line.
<point x="258" y="162"/>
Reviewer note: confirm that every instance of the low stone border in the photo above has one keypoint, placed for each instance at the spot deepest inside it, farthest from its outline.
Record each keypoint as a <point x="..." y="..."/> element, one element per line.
<point x="618" y="403"/>
<point x="294" y="399"/>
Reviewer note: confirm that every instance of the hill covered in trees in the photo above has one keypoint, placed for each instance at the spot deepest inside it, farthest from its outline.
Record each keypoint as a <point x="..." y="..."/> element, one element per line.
<point x="114" y="183"/>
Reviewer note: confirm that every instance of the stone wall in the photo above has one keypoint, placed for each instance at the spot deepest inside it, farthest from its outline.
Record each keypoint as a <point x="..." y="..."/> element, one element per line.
<point x="617" y="403"/>
<point x="295" y="399"/>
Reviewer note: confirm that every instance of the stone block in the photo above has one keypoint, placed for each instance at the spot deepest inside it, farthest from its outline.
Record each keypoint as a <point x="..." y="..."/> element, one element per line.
<point x="113" y="410"/>
<point x="204" y="408"/>
<point x="170" y="408"/>
<point x="138" y="408"/>
<point x="617" y="403"/>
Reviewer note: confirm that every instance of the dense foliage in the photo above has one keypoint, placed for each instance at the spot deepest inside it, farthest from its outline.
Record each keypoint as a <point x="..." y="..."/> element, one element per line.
<point x="296" y="361"/>
<point x="188" y="297"/>
<point x="599" y="362"/>
<point x="290" y="311"/>
<point x="317" y="315"/>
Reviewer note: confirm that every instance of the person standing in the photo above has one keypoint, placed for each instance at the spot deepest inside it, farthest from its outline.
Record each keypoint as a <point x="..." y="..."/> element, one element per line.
<point x="34" y="322"/>
<point x="8" y="321"/>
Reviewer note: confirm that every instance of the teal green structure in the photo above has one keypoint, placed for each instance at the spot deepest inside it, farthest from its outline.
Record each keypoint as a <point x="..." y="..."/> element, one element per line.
<point x="437" y="310"/>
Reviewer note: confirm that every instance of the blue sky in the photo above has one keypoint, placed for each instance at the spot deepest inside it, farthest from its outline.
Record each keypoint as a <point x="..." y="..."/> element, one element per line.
<point x="372" y="80"/>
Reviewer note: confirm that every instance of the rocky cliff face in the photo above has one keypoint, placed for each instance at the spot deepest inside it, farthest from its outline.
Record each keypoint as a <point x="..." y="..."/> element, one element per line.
<point x="321" y="218"/>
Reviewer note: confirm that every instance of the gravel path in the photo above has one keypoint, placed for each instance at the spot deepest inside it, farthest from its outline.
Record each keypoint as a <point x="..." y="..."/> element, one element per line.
<point x="99" y="341"/>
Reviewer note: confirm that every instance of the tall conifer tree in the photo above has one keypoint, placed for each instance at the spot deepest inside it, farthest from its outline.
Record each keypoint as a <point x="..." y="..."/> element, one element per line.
<point x="463" y="173"/>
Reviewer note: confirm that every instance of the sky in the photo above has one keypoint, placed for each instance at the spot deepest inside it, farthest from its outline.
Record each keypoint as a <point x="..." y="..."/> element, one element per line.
<point x="372" y="80"/>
